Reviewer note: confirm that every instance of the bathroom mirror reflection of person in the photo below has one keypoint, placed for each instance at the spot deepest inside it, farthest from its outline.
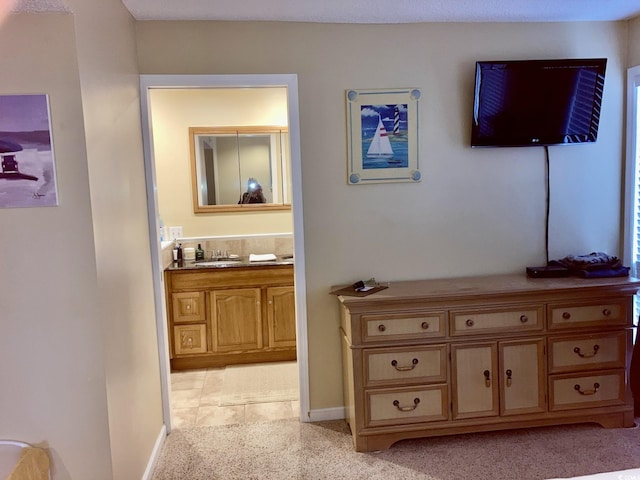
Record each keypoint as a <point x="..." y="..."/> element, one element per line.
<point x="253" y="194"/>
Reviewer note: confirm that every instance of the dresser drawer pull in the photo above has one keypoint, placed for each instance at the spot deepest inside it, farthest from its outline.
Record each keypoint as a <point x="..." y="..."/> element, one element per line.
<point x="587" y="355"/>
<point x="406" y="368"/>
<point x="382" y="328"/>
<point x="606" y="312"/>
<point x="593" y="391"/>
<point x="425" y="325"/>
<point x="416" y="401"/>
<point x="566" y="315"/>
<point x="509" y="380"/>
<point x="487" y="378"/>
<point x="524" y="318"/>
<point x="469" y="323"/>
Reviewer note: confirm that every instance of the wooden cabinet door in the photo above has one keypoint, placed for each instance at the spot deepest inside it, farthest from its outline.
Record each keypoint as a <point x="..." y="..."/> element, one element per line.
<point x="236" y="321"/>
<point x="474" y="381"/>
<point x="281" y="316"/>
<point x="522" y="381"/>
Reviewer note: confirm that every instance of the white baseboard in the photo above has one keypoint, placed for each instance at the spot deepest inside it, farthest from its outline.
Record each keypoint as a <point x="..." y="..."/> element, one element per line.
<point x="155" y="453"/>
<point x="324" y="414"/>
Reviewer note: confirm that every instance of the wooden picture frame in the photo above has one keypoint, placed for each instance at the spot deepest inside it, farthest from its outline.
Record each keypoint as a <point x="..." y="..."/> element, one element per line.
<point x="382" y="136"/>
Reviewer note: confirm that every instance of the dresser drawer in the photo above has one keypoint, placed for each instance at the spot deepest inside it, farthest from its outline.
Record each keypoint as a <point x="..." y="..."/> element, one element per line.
<point x="403" y="326"/>
<point x="568" y="392"/>
<point x="391" y="366"/>
<point x="406" y="405"/>
<point x="587" y="352"/>
<point x="480" y="322"/>
<point x="605" y="313"/>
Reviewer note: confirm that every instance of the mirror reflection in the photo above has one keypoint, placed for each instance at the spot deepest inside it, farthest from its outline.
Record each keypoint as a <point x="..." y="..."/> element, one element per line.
<point x="240" y="167"/>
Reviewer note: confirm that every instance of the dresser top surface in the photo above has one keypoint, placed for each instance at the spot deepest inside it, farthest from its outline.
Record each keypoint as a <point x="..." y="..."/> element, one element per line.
<point x="513" y="284"/>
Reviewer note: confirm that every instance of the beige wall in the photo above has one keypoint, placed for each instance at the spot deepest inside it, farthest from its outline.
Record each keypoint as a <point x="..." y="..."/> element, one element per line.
<point x="634" y="42"/>
<point x="52" y="368"/>
<point x="476" y="211"/>
<point x="173" y="111"/>
<point x="79" y="370"/>
<point x="111" y="105"/>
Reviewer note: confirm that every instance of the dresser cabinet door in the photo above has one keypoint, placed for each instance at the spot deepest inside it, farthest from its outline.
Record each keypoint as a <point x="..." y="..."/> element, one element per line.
<point x="522" y="370"/>
<point x="236" y="320"/>
<point x="475" y="386"/>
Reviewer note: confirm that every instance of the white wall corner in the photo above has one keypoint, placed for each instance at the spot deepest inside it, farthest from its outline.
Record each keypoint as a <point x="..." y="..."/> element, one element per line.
<point x="155" y="454"/>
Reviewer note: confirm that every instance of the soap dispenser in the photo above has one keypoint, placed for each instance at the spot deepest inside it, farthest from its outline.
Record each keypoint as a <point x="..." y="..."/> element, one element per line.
<point x="199" y="253"/>
<point x="179" y="251"/>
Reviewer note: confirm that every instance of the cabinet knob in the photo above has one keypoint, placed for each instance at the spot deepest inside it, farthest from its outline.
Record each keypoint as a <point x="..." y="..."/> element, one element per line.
<point x="425" y="325"/>
<point x="509" y="380"/>
<point x="469" y="323"/>
<point x="382" y="328"/>
<point x="566" y="315"/>
<point x="524" y="318"/>
<point x="487" y="378"/>
<point x="606" y="312"/>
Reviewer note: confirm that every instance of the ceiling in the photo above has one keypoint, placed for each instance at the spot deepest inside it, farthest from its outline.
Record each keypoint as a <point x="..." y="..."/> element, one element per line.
<point x="367" y="11"/>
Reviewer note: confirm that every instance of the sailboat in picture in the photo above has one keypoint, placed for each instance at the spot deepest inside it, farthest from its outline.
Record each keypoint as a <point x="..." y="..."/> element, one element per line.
<point x="380" y="145"/>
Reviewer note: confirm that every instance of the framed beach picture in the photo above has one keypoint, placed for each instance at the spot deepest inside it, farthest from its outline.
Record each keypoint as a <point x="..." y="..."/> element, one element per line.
<point x="27" y="170"/>
<point x="382" y="136"/>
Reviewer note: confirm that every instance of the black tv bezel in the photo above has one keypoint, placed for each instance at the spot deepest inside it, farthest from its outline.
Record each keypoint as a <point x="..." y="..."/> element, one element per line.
<point x="492" y="142"/>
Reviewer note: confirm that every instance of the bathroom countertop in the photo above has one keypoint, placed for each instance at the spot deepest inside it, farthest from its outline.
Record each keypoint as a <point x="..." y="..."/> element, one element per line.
<point x="241" y="262"/>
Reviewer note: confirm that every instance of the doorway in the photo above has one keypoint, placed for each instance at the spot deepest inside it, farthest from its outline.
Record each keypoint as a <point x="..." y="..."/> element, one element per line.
<point x="152" y="82"/>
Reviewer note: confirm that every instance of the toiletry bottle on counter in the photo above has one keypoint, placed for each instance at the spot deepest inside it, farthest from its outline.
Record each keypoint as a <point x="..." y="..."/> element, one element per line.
<point x="179" y="251"/>
<point x="199" y="253"/>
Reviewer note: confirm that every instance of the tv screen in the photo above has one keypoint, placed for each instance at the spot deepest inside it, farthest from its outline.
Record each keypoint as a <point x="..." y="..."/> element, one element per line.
<point x="537" y="102"/>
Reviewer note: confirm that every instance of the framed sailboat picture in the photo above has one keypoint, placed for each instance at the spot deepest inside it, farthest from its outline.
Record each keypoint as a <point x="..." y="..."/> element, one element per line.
<point x="382" y="136"/>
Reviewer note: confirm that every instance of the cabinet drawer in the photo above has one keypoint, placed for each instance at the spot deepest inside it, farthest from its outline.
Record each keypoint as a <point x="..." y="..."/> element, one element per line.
<point x="188" y="307"/>
<point x="403" y="326"/>
<point x="568" y="392"/>
<point x="606" y="313"/>
<point x="406" y="405"/>
<point x="405" y="365"/>
<point x="479" y="322"/>
<point x="190" y="339"/>
<point x="587" y="352"/>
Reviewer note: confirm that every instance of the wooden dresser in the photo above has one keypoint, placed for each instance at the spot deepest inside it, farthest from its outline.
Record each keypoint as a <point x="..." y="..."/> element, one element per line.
<point x="225" y="316"/>
<point x="438" y="357"/>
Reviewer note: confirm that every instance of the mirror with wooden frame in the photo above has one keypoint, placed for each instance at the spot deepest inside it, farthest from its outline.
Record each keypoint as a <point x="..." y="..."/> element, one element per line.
<point x="240" y="168"/>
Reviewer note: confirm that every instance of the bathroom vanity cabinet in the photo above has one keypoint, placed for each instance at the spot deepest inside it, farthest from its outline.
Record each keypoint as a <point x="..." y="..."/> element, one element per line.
<point x="438" y="357"/>
<point x="224" y="316"/>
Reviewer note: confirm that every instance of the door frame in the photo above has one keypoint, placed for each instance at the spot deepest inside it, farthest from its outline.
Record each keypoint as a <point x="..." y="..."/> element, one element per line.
<point x="148" y="82"/>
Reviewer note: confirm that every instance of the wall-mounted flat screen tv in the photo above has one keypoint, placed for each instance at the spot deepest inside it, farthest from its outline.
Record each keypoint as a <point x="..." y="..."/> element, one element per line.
<point x="537" y="102"/>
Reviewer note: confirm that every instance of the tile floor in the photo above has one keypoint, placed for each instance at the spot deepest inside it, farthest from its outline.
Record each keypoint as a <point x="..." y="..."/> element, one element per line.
<point x="194" y="402"/>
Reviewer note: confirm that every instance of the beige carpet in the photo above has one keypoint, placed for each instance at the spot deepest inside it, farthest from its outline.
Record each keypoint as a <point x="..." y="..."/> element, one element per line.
<point x="259" y="383"/>
<point x="288" y="449"/>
